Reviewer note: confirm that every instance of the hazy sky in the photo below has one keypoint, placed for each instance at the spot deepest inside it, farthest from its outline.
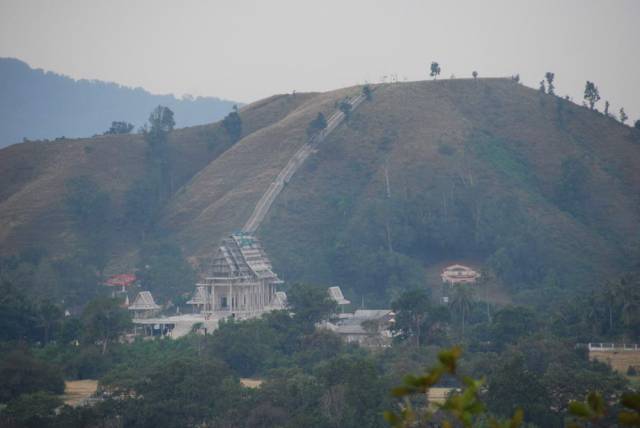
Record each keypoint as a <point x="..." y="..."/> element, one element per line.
<point x="246" y="50"/>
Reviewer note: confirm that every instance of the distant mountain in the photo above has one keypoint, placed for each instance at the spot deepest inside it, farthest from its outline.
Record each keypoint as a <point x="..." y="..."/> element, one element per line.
<point x="35" y="104"/>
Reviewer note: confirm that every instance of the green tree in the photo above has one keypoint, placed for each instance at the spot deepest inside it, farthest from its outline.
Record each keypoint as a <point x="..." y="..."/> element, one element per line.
<point x="367" y="92"/>
<point x="475" y="75"/>
<point x="317" y="125"/>
<point x="591" y="94"/>
<point x="21" y="373"/>
<point x="163" y="268"/>
<point x="623" y="116"/>
<point x="606" y="108"/>
<point x="156" y="135"/>
<point x="435" y="70"/>
<point x="90" y="209"/>
<point x="511" y="323"/>
<point x="18" y="316"/>
<point x="512" y="385"/>
<point x="232" y="124"/>
<point x="462" y="300"/>
<point x="310" y="305"/>
<point x="549" y="76"/>
<point x="542" y="87"/>
<point x="636" y="124"/>
<point x="345" y="107"/>
<point x="571" y="192"/>
<point x="104" y="321"/>
<point x="49" y="319"/>
<point x="34" y="410"/>
<point x="119" y="128"/>
<point x="411" y="309"/>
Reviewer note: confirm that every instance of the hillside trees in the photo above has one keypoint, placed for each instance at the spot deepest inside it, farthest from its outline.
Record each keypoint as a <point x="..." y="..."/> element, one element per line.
<point x="119" y="128"/>
<point x="90" y="208"/>
<point x="345" y="107"/>
<point x="571" y="192"/>
<point x="34" y="410"/>
<point x="147" y="195"/>
<point x="367" y="92"/>
<point x="462" y="301"/>
<point x="310" y="305"/>
<point x="232" y="124"/>
<point x="105" y="320"/>
<point x="591" y="94"/>
<point x="163" y="268"/>
<point x="21" y="373"/>
<point x="411" y="309"/>
<point x="316" y="125"/>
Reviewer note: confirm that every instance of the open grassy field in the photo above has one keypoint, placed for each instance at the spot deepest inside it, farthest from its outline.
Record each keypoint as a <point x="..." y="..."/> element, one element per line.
<point x="77" y="391"/>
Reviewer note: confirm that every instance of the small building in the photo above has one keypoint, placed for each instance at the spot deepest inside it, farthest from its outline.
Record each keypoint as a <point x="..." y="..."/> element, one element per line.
<point x="459" y="274"/>
<point x="366" y="327"/>
<point x="144" y="306"/>
<point x="336" y="295"/>
<point x="119" y="283"/>
<point x="280" y="301"/>
<point x="198" y="299"/>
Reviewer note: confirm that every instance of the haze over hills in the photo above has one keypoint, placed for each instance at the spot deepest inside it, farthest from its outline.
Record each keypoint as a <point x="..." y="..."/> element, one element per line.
<point x="36" y="105"/>
<point x="529" y="185"/>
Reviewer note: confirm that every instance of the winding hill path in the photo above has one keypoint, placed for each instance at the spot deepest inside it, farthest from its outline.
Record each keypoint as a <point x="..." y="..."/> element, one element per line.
<point x="296" y="161"/>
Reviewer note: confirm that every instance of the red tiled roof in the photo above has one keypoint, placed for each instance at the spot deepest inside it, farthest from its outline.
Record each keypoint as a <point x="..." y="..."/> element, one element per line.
<point x="122" y="280"/>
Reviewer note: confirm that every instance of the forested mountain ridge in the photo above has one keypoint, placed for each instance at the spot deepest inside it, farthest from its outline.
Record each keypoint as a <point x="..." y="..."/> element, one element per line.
<point x="539" y="191"/>
<point x="35" y="105"/>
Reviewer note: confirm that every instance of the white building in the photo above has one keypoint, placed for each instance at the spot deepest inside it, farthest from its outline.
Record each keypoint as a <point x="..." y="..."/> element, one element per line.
<point x="459" y="274"/>
<point x="239" y="284"/>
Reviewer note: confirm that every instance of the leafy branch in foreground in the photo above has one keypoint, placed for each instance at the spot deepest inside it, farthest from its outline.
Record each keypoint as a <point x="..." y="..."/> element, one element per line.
<point x="593" y="410"/>
<point x="461" y="407"/>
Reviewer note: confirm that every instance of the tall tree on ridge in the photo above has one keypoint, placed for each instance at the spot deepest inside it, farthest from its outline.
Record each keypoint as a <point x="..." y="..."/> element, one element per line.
<point x="435" y="70"/>
<point x="591" y="94"/>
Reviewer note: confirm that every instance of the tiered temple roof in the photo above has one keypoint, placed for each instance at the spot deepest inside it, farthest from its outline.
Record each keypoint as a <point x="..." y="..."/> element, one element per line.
<point x="241" y="257"/>
<point x="144" y="302"/>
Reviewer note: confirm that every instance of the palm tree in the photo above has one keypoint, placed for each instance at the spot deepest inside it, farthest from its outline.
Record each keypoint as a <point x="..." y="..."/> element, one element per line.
<point x="462" y="301"/>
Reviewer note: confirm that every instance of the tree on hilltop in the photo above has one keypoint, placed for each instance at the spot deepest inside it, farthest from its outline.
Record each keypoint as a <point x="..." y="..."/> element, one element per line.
<point x="591" y="94"/>
<point x="119" y="128"/>
<point x="435" y="70"/>
<point x="623" y="116"/>
<point x="475" y="75"/>
<point x="232" y="124"/>
<point x="550" y="88"/>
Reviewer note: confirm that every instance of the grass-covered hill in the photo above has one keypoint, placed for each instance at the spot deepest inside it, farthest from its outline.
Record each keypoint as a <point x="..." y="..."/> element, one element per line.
<point x="538" y="190"/>
<point x="35" y="104"/>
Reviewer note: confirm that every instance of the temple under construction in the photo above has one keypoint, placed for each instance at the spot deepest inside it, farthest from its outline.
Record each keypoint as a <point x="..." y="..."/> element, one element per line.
<point x="240" y="280"/>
